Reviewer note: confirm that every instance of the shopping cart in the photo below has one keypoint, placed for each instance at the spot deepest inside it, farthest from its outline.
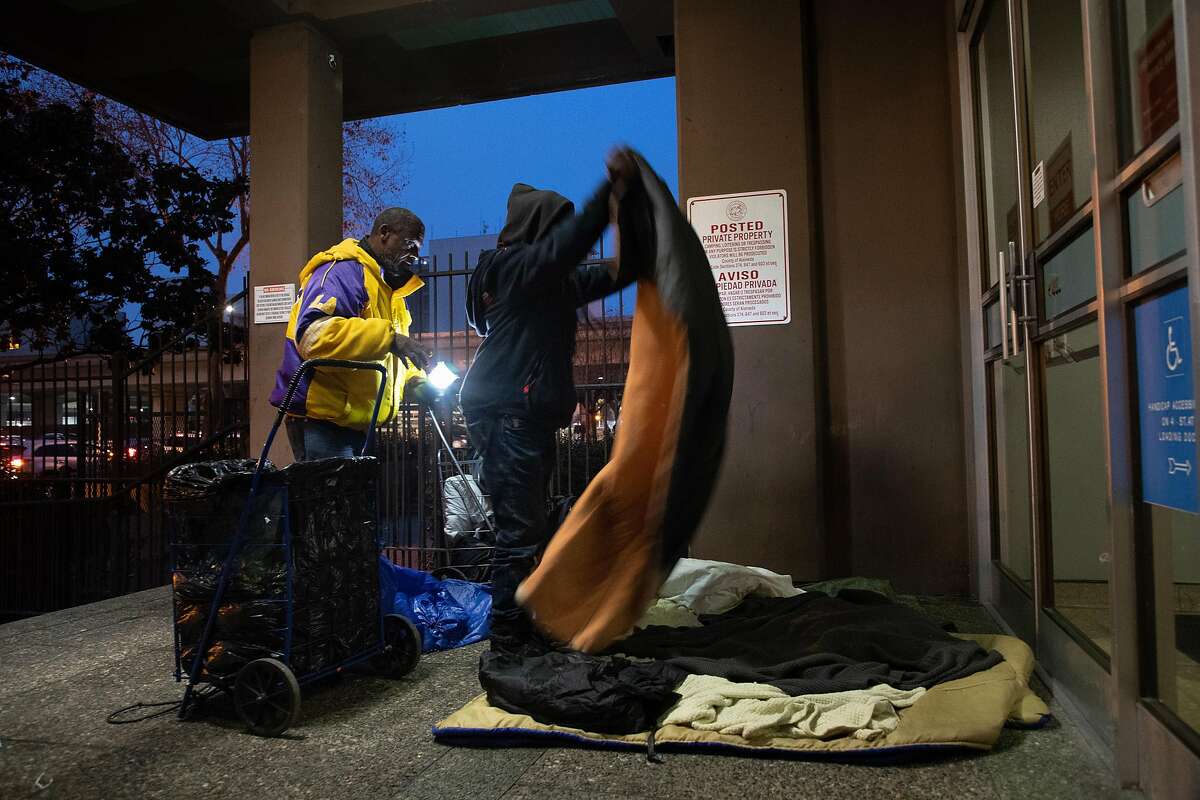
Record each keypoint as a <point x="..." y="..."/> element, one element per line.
<point x="468" y="554"/>
<point x="469" y="530"/>
<point x="282" y="590"/>
<point x="461" y="547"/>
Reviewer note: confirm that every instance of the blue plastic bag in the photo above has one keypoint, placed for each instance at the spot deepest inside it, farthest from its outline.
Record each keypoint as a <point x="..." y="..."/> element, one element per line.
<point x="448" y="613"/>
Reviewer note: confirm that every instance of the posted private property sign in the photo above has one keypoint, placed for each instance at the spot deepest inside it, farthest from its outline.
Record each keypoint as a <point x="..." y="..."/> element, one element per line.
<point x="745" y="238"/>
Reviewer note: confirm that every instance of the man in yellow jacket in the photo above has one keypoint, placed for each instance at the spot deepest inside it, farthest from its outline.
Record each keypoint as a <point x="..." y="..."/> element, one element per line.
<point x="351" y="306"/>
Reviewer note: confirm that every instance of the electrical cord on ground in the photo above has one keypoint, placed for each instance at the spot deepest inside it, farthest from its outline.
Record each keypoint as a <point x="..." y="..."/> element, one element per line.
<point x="167" y="707"/>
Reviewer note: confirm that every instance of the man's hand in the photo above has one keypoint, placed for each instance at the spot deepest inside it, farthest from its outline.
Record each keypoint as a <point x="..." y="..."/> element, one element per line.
<point x="622" y="169"/>
<point x="410" y="351"/>
<point x="419" y="391"/>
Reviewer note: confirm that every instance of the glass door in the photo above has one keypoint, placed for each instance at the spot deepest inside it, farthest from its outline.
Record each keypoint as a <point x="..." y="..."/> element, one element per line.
<point x="1005" y="300"/>
<point x="1041" y="361"/>
<point x="1082" y="165"/>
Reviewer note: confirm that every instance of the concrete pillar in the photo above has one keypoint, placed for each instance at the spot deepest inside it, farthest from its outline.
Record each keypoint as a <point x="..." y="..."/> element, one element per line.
<point x="895" y="467"/>
<point x="295" y="184"/>
<point x="740" y="86"/>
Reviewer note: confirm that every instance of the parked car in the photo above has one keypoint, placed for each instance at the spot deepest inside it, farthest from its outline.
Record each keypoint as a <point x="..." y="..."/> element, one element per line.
<point x="11" y="445"/>
<point x="45" y="457"/>
<point x="8" y="452"/>
<point x="143" y="449"/>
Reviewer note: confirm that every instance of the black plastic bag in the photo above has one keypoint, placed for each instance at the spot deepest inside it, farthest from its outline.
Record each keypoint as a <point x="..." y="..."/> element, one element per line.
<point x="331" y="534"/>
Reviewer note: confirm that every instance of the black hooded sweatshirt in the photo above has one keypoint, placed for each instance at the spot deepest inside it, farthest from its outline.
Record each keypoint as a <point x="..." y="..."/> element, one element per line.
<point x="522" y="299"/>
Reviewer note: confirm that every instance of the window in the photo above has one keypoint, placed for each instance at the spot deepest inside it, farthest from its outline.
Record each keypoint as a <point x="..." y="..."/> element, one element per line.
<point x="1077" y="482"/>
<point x="16" y="410"/>
<point x="1146" y="74"/>
<point x="1058" y="115"/>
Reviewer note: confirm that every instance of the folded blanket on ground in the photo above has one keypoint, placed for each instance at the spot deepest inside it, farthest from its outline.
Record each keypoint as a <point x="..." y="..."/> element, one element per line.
<point x="714" y="587"/>
<point x="696" y="586"/>
<point x="670" y="614"/>
<point x="756" y="710"/>
<point x="603" y="694"/>
<point x="813" y="643"/>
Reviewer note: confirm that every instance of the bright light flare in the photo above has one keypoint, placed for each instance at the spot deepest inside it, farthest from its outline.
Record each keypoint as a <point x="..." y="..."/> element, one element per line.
<point x="442" y="377"/>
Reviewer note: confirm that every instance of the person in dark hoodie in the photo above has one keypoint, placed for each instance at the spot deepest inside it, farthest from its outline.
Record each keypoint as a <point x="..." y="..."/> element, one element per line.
<point x="522" y="300"/>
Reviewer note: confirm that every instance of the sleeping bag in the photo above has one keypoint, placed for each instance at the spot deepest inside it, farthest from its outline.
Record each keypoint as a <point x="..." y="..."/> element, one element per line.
<point x="637" y="516"/>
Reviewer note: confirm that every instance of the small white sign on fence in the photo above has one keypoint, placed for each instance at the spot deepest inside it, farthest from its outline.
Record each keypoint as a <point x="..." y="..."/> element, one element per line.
<point x="273" y="303"/>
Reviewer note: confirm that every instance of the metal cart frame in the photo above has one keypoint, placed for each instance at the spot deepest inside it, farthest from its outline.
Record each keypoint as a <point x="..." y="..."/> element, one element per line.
<point x="451" y="466"/>
<point x="266" y="691"/>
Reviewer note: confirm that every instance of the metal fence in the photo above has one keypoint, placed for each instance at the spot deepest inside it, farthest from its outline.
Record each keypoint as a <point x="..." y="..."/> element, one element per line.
<point x="85" y="443"/>
<point x="411" y="491"/>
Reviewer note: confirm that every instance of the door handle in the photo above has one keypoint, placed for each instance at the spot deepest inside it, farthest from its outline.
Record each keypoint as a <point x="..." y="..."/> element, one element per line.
<point x="1023" y="279"/>
<point x="1006" y="352"/>
<point x="1013" y="321"/>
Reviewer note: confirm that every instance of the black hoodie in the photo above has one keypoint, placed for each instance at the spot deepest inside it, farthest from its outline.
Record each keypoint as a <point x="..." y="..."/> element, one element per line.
<point x="522" y="299"/>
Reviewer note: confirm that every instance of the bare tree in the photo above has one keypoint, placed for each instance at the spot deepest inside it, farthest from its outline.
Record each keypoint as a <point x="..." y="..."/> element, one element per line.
<point x="375" y="160"/>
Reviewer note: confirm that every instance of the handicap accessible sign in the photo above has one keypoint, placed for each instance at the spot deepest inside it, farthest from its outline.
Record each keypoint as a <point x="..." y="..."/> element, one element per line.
<point x="1166" y="401"/>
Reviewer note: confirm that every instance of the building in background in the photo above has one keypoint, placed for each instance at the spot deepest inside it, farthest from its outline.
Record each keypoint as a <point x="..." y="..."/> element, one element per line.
<point x="439" y="313"/>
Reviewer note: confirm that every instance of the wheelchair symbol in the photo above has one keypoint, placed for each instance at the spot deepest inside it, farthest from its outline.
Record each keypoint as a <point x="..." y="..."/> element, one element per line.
<point x="1174" y="357"/>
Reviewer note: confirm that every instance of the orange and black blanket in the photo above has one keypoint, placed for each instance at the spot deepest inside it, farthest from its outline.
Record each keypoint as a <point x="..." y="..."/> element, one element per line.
<point x="636" y="518"/>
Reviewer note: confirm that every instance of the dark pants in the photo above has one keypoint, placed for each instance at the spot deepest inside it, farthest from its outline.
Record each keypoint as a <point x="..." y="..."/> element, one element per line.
<point x="312" y="439"/>
<point x="518" y="459"/>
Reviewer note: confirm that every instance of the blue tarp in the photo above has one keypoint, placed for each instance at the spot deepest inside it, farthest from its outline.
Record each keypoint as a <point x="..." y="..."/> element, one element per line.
<point x="448" y="613"/>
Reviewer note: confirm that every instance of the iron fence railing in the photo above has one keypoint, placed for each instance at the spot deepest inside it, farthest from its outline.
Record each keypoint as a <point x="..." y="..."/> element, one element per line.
<point x="85" y="442"/>
<point x="83" y="519"/>
<point x="411" y="494"/>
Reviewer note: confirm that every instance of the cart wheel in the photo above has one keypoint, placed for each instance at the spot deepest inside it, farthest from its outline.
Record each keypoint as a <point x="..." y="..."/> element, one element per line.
<point x="401" y="646"/>
<point x="267" y="697"/>
<point x="449" y="573"/>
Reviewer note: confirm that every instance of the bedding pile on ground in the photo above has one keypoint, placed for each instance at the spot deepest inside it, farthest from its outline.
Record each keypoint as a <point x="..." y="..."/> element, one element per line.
<point x="814" y="643"/>
<point x="807" y="675"/>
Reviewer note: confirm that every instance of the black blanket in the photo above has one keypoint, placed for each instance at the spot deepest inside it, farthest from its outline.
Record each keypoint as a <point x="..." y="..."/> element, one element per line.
<point x="595" y="693"/>
<point x="813" y="643"/>
<point x="809" y="644"/>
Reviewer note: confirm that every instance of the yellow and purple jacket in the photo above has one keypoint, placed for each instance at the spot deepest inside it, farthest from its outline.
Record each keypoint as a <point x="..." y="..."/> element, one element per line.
<point x="345" y="309"/>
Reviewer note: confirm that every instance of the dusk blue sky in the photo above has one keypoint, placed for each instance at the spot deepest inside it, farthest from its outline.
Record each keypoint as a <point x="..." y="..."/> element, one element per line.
<point x="464" y="160"/>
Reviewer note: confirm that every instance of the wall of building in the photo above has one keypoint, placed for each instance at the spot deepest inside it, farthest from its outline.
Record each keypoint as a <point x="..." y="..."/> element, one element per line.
<point x="740" y="78"/>
<point x="884" y="112"/>
<point x="846" y="449"/>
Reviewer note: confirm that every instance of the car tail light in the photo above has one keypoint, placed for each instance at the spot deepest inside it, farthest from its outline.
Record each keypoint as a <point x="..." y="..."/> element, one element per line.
<point x="131" y="452"/>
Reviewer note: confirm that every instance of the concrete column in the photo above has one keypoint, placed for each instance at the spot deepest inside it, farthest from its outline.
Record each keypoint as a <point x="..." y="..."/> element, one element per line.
<point x="895" y="468"/>
<point x="740" y="86"/>
<point x="295" y="184"/>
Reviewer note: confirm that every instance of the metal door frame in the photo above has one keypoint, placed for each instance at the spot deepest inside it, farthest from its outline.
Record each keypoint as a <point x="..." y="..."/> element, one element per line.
<point x="1070" y="671"/>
